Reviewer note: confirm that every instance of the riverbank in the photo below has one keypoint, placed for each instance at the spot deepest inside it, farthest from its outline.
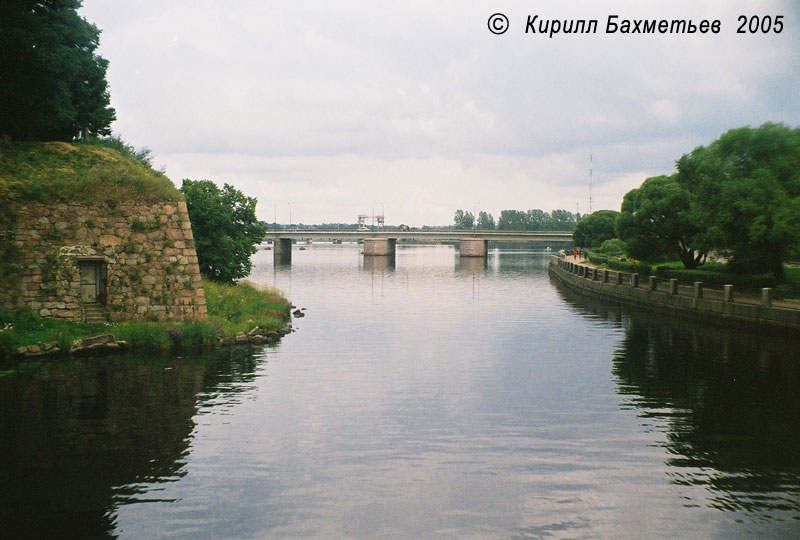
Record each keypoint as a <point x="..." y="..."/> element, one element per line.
<point x="237" y="314"/>
<point x="668" y="296"/>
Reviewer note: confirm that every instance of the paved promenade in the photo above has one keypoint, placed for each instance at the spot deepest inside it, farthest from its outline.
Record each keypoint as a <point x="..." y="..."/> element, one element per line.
<point x="744" y="297"/>
<point x="668" y="296"/>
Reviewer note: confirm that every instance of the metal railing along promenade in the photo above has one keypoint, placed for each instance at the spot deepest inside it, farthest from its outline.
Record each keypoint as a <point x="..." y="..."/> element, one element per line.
<point x="698" y="290"/>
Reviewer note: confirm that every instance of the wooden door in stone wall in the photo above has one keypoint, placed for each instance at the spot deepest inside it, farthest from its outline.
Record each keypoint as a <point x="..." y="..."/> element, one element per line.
<point x="90" y="281"/>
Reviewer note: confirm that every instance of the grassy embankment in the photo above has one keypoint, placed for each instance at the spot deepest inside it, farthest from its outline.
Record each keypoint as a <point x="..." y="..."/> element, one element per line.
<point x="104" y="173"/>
<point x="101" y="173"/>
<point x="231" y="309"/>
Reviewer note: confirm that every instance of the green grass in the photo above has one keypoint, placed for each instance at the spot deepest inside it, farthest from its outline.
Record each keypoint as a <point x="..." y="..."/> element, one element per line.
<point x="791" y="287"/>
<point x="101" y="172"/>
<point x="25" y="327"/>
<point x="612" y="262"/>
<point x="231" y="309"/>
<point x="241" y="307"/>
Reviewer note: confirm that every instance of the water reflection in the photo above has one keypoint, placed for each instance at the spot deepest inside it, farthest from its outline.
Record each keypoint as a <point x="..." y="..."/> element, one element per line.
<point x="520" y="262"/>
<point x="727" y="400"/>
<point x="425" y="401"/>
<point x="477" y="265"/>
<point x="379" y="263"/>
<point x="85" y="436"/>
<point x="283" y="258"/>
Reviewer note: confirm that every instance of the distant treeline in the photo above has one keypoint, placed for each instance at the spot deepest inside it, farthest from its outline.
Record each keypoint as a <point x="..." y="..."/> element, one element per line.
<point x="510" y="220"/>
<point x="518" y="220"/>
<point x="321" y="226"/>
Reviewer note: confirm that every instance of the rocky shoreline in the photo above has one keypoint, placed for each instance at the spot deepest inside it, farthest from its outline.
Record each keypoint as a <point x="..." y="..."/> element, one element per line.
<point x="107" y="344"/>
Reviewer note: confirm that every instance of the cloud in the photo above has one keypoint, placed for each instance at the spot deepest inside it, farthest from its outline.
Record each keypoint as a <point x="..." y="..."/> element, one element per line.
<point x="417" y="104"/>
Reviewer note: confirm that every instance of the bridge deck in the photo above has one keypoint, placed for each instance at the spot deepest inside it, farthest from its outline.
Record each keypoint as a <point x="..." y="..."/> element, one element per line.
<point x="502" y="236"/>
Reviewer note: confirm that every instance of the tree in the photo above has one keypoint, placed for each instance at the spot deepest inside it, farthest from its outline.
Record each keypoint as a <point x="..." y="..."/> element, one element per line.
<point x="512" y="220"/>
<point x="485" y="221"/>
<point x="657" y="221"/>
<point x="536" y="220"/>
<point x="748" y="187"/>
<point x="613" y="246"/>
<point x="54" y="86"/>
<point x="225" y="228"/>
<point x="464" y="220"/>
<point x="563" y="220"/>
<point x="595" y="228"/>
<point x="539" y="220"/>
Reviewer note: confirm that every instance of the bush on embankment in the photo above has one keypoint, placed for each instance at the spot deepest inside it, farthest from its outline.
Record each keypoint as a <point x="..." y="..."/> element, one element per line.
<point x="710" y="274"/>
<point x="243" y="306"/>
<point x="715" y="275"/>
<point x="615" y="263"/>
<point x="231" y="309"/>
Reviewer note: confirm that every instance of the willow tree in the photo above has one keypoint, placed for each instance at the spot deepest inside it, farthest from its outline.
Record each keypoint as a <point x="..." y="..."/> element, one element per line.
<point x="747" y="188"/>
<point x="657" y="221"/>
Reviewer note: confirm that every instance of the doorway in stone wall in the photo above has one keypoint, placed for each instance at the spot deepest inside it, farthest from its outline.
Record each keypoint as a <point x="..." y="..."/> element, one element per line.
<point x="92" y="281"/>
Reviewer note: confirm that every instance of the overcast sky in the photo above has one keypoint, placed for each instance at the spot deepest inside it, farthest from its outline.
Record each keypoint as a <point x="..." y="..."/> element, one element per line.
<point x="415" y="109"/>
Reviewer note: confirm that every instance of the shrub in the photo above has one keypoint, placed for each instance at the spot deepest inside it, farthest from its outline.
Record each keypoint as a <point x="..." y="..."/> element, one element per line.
<point x="226" y="230"/>
<point x="24" y="327"/>
<point x="243" y="306"/>
<point x="597" y="258"/>
<point x="613" y="246"/>
<point x="231" y="309"/>
<point x="194" y="334"/>
<point x="716" y="275"/>
<point x="620" y="265"/>
<point x="143" y="335"/>
<point x="641" y="268"/>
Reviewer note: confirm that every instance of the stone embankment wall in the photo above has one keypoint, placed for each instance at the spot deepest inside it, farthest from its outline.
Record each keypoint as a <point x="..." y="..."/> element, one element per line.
<point x="143" y="256"/>
<point x="611" y="285"/>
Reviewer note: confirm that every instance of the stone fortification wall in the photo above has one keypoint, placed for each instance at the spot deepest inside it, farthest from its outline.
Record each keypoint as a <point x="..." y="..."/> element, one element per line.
<point x="142" y="258"/>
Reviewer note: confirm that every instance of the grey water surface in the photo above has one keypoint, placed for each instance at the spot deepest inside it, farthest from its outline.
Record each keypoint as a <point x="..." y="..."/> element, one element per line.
<point x="426" y="397"/>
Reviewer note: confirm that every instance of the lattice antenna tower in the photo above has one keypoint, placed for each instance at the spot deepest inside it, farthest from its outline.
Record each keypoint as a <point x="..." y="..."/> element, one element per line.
<point x="590" y="184"/>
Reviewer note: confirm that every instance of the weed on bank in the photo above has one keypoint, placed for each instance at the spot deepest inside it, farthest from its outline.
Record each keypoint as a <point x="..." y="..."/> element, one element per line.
<point x="231" y="309"/>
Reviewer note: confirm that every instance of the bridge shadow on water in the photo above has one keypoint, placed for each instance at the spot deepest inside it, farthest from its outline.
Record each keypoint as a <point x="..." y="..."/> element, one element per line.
<point x="727" y="399"/>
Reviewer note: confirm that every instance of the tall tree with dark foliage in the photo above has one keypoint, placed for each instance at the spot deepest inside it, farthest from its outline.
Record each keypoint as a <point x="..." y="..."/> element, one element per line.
<point x="53" y="84"/>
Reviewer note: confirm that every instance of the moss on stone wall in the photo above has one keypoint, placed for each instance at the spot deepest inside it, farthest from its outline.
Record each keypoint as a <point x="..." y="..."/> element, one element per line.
<point x="61" y="204"/>
<point x="148" y="274"/>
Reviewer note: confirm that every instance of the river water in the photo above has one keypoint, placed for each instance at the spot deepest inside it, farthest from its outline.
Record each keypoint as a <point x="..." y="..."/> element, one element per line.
<point x="429" y="397"/>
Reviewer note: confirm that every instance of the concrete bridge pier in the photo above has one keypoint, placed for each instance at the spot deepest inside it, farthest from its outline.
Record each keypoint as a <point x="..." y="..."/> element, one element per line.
<point x="282" y="251"/>
<point x="380" y="247"/>
<point x="473" y="247"/>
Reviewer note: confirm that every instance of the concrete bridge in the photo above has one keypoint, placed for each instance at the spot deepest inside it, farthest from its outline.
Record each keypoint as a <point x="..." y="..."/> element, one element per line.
<point x="382" y="243"/>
